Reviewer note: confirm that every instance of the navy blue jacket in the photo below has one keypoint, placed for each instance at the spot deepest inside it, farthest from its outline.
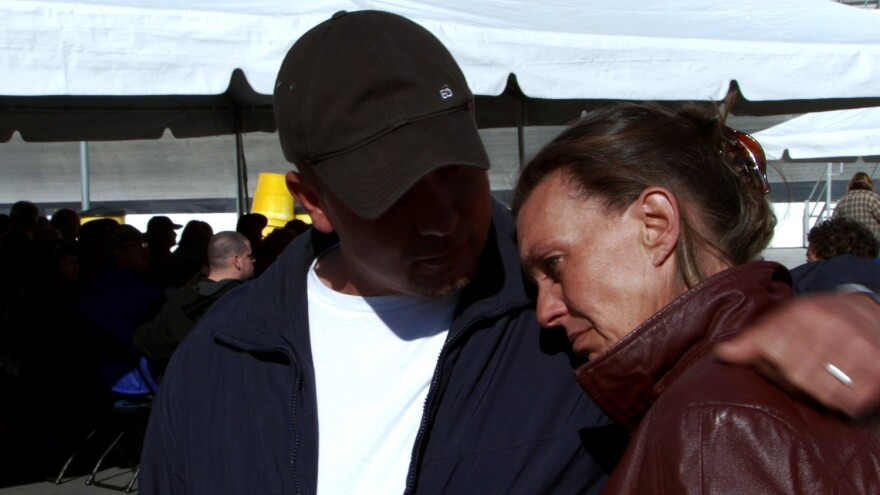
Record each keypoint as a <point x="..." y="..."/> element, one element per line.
<point x="237" y="410"/>
<point x="827" y="275"/>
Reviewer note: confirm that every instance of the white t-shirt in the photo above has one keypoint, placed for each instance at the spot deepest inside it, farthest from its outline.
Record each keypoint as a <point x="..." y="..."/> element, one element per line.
<point x="374" y="359"/>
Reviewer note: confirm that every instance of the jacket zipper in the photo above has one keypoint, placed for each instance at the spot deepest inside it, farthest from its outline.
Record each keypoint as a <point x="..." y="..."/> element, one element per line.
<point x="435" y="380"/>
<point x="296" y="439"/>
<point x="423" y="424"/>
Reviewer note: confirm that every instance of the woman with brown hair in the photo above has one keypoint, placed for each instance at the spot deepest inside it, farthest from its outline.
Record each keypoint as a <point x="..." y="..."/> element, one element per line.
<point x="640" y="226"/>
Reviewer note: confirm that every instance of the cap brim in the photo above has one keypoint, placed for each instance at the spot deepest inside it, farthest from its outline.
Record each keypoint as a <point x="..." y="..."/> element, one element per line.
<point x="369" y="179"/>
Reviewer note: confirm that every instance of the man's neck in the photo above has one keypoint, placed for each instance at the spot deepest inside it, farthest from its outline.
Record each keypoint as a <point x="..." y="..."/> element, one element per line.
<point x="332" y="272"/>
<point x="223" y="274"/>
<point x="336" y="273"/>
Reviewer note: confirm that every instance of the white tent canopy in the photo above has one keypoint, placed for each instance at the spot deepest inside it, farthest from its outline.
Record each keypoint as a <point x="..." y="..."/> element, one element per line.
<point x="676" y="49"/>
<point x="671" y="50"/>
<point x="834" y="134"/>
<point x="114" y="69"/>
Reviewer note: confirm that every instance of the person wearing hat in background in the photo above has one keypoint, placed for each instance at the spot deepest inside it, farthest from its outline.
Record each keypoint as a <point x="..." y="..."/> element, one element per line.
<point x="393" y="347"/>
<point x="161" y="237"/>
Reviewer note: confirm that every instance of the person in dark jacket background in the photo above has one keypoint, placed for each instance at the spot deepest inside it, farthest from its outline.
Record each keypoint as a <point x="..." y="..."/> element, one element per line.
<point x="398" y="330"/>
<point x="231" y="262"/>
<point x="640" y="226"/>
<point x="113" y="304"/>
<point x="840" y="252"/>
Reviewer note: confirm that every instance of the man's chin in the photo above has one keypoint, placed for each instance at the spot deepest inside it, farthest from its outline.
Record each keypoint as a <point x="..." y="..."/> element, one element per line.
<point x="430" y="288"/>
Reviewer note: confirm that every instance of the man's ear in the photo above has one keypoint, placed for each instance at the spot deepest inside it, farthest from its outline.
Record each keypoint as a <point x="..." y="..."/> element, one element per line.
<point x="308" y="196"/>
<point x="657" y="209"/>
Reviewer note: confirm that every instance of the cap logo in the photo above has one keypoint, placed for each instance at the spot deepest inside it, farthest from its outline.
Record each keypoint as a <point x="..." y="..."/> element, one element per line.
<point x="446" y="92"/>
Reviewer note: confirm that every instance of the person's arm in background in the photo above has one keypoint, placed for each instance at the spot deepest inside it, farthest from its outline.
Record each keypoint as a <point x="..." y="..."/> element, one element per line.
<point x="794" y="345"/>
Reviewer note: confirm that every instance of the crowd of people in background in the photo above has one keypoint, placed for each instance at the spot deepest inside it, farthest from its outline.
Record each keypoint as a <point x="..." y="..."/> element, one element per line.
<point x="91" y="312"/>
<point x="844" y="249"/>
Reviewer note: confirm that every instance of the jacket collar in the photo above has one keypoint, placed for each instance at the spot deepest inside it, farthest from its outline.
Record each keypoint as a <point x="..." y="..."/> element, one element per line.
<point x="498" y="286"/>
<point x="627" y="378"/>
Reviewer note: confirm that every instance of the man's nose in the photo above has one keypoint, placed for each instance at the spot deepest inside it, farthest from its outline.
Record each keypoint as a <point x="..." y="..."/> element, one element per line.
<point x="437" y="197"/>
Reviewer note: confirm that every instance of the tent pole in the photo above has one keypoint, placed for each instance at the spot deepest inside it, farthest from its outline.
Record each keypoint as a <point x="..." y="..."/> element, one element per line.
<point x="828" y="193"/>
<point x="241" y="170"/>
<point x="520" y="131"/>
<point x="84" y="173"/>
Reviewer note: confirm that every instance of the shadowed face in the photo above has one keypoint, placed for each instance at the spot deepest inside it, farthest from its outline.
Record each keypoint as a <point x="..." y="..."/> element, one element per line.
<point x="247" y="262"/>
<point x="134" y="255"/>
<point x="428" y="243"/>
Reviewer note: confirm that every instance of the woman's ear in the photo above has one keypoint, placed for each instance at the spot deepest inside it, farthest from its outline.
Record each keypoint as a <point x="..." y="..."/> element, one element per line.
<point x="658" y="211"/>
<point x="310" y="198"/>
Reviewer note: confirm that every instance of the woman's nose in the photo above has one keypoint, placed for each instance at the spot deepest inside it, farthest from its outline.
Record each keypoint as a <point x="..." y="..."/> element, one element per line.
<point x="550" y="308"/>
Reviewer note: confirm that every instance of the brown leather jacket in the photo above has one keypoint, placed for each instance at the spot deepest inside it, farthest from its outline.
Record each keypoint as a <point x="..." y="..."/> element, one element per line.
<point x="700" y="426"/>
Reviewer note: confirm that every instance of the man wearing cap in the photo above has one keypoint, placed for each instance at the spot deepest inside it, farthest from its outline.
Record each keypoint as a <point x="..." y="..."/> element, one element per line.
<point x="161" y="237"/>
<point x="394" y="347"/>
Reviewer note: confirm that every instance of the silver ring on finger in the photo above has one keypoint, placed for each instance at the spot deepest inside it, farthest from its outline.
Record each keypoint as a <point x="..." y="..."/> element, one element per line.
<point x="839" y="374"/>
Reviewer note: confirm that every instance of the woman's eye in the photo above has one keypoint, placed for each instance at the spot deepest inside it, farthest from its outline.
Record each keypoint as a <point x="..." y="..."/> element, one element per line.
<point x="551" y="263"/>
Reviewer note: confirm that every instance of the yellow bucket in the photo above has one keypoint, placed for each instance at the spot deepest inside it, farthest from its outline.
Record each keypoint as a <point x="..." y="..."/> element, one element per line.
<point x="273" y="200"/>
<point x="99" y="212"/>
